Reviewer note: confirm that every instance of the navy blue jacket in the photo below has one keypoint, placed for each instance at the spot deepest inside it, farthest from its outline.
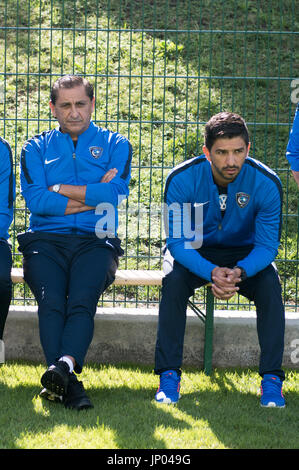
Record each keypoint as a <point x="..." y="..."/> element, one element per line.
<point x="252" y="217"/>
<point x="293" y="144"/>
<point x="51" y="157"/>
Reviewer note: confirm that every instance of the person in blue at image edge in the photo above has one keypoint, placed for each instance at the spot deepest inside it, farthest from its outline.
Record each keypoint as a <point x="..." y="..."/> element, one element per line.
<point x="241" y="203"/>
<point x="7" y="196"/>
<point x="292" y="153"/>
<point x="69" y="258"/>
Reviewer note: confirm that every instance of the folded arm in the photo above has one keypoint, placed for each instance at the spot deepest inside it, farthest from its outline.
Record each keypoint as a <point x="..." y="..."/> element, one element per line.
<point x="76" y="194"/>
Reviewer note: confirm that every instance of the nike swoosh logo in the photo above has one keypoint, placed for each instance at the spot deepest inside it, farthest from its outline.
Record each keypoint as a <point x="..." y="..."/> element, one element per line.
<point x="51" y="161"/>
<point x="197" y="204"/>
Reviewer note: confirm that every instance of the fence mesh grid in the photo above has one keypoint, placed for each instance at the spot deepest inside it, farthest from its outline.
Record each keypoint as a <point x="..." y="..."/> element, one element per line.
<point x="160" y="70"/>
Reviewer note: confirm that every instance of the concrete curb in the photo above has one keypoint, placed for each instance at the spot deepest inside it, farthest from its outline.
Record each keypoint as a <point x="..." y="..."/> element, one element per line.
<point x="129" y="335"/>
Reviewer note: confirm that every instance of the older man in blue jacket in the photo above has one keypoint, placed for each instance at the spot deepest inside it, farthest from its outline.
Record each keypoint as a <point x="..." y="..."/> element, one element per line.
<point x="223" y="224"/>
<point x="72" y="179"/>
<point x="292" y="152"/>
<point x="7" y="195"/>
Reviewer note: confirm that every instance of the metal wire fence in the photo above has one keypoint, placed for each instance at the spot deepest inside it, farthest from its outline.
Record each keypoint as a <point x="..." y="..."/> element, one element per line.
<point x="160" y="70"/>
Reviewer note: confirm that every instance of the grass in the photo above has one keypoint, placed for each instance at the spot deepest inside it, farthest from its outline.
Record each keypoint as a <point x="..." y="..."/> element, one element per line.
<point x="217" y="412"/>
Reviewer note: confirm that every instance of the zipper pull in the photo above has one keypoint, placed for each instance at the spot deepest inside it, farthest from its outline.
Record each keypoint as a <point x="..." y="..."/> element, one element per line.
<point x="74" y="155"/>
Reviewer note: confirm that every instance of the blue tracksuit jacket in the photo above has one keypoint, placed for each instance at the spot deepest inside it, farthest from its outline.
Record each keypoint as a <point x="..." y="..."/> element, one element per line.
<point x="7" y="188"/>
<point x="51" y="158"/>
<point x="293" y="144"/>
<point x="252" y="217"/>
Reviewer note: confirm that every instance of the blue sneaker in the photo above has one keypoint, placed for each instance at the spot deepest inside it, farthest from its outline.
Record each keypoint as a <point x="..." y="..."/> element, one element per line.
<point x="271" y="392"/>
<point x="169" y="389"/>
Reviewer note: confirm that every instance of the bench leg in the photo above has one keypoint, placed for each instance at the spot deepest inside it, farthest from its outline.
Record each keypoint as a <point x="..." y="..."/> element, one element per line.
<point x="209" y="327"/>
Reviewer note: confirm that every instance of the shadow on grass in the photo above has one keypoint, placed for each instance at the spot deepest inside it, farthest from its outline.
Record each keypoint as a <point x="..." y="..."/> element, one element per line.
<point x="237" y="419"/>
<point x="129" y="418"/>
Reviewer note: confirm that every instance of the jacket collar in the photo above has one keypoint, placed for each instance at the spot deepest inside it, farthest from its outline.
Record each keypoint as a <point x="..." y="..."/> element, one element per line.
<point x="85" y="135"/>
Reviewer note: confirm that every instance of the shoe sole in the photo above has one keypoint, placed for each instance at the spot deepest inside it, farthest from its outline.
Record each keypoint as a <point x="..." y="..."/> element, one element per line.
<point x="84" y="405"/>
<point x="272" y="405"/>
<point x="54" y="382"/>
<point x="50" y="396"/>
<point x="167" y="400"/>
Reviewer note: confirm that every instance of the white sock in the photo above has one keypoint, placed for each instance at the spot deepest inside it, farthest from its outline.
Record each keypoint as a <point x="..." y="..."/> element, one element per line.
<point x="68" y="361"/>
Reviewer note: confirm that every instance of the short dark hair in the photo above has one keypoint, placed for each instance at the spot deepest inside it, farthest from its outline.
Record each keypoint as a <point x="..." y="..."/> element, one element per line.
<point x="71" y="81"/>
<point x="225" y="125"/>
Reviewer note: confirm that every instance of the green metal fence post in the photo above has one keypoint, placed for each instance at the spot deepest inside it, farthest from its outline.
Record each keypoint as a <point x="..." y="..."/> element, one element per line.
<point x="209" y="330"/>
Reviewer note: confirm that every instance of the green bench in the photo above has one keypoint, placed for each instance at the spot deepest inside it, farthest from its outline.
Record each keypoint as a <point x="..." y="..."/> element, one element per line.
<point x="154" y="278"/>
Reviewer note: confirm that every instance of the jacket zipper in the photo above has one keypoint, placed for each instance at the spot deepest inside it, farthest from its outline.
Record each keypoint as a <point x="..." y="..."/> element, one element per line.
<point x="75" y="168"/>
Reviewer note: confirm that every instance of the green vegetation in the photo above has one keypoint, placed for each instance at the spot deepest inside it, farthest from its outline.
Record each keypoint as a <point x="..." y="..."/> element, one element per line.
<point x="221" y="411"/>
<point x="160" y="70"/>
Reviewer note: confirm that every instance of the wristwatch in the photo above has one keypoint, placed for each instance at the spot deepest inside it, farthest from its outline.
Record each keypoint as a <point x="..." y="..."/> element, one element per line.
<point x="243" y="275"/>
<point x="56" y="188"/>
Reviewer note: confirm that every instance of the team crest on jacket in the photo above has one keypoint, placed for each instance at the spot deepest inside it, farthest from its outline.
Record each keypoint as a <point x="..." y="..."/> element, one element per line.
<point x="96" y="152"/>
<point x="242" y="199"/>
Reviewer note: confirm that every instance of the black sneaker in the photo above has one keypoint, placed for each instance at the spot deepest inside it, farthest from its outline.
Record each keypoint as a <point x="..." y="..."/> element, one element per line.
<point x="76" y="397"/>
<point x="56" y="378"/>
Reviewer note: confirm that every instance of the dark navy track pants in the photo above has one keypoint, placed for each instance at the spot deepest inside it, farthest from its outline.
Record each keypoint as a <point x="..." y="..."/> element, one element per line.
<point x="5" y="283"/>
<point x="67" y="274"/>
<point x="263" y="289"/>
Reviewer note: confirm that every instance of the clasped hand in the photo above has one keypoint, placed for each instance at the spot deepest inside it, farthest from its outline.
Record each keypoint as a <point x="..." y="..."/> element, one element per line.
<point x="224" y="282"/>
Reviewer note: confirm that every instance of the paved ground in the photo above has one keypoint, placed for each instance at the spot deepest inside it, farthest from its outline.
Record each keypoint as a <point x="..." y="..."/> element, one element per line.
<point x="128" y="335"/>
